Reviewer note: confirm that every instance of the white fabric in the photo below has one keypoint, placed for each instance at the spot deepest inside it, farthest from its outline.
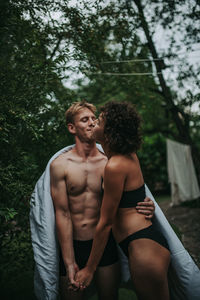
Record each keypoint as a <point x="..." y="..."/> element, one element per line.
<point x="184" y="274"/>
<point x="181" y="172"/>
<point x="43" y="234"/>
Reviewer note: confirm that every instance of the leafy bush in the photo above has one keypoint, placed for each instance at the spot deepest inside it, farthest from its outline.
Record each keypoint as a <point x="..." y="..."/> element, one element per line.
<point x="153" y="162"/>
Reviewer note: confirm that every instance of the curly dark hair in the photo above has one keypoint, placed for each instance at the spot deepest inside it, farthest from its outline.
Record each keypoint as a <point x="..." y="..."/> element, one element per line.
<point x="122" y="127"/>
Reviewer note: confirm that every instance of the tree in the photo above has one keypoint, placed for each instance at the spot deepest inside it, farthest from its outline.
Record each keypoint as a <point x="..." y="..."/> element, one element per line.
<point x="108" y="36"/>
<point x="123" y="22"/>
<point x="30" y="114"/>
<point x="32" y="126"/>
<point x="180" y="116"/>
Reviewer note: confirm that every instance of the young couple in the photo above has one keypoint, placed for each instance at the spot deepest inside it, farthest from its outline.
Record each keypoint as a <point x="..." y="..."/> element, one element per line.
<point x="87" y="226"/>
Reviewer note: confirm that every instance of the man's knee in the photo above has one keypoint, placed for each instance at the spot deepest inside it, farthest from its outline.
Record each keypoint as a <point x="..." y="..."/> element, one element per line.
<point x="66" y="293"/>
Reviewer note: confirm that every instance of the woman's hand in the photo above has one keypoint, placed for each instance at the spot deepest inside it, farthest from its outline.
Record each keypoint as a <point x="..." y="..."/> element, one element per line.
<point x="84" y="278"/>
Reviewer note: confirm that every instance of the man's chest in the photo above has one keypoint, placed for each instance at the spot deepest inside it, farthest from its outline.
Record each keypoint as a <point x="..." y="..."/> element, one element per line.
<point x="84" y="177"/>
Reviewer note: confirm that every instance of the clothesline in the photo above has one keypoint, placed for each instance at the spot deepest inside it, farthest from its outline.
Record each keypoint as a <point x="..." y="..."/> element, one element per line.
<point x="134" y="60"/>
<point x="142" y="59"/>
<point x="131" y="60"/>
<point x="122" y="74"/>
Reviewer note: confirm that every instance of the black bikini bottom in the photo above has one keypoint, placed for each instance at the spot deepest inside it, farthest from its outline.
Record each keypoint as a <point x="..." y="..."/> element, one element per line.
<point x="82" y="251"/>
<point x="147" y="233"/>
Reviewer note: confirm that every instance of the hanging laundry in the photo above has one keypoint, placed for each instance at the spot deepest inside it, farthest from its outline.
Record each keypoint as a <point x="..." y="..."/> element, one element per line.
<point x="181" y="173"/>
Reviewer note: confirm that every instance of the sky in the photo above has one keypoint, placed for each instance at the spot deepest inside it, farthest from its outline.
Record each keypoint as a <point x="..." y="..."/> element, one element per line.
<point x="161" y="41"/>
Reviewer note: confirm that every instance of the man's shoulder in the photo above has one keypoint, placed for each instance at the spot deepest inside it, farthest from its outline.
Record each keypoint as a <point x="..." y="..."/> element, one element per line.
<point x="101" y="154"/>
<point x="61" y="160"/>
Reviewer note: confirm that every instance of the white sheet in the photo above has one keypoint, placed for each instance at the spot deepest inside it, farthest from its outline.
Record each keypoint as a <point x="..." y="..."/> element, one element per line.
<point x="184" y="274"/>
<point x="181" y="173"/>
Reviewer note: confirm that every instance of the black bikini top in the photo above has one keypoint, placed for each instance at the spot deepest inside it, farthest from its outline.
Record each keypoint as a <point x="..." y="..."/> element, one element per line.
<point x="131" y="198"/>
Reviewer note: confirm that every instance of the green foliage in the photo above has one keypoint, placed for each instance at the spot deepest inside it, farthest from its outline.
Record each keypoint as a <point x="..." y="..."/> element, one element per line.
<point x="153" y="162"/>
<point x="30" y="114"/>
<point x="16" y="267"/>
<point x="7" y="213"/>
<point x="32" y="125"/>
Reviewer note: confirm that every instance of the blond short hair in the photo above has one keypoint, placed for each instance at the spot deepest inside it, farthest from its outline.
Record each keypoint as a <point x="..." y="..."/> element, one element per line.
<point x="75" y="108"/>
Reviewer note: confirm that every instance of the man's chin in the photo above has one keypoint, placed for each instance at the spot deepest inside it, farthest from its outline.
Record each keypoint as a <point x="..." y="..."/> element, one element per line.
<point x="91" y="141"/>
<point x="89" y="138"/>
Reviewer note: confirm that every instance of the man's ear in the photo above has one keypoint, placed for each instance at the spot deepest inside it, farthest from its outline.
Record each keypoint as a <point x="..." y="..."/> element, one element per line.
<point x="71" y="128"/>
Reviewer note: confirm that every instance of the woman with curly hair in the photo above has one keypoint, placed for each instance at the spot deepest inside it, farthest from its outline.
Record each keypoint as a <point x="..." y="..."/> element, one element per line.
<point x="118" y="131"/>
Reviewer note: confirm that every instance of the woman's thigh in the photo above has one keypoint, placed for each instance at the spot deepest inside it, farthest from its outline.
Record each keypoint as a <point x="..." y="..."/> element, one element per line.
<point x="149" y="262"/>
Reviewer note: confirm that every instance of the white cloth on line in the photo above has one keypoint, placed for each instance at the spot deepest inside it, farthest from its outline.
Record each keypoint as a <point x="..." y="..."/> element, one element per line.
<point x="184" y="278"/>
<point x="181" y="173"/>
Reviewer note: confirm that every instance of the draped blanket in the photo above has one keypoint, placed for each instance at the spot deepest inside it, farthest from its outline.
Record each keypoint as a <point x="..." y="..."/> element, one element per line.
<point x="184" y="276"/>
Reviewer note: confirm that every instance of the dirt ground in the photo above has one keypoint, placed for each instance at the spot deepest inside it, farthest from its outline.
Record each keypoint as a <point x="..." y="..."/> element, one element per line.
<point x="187" y="220"/>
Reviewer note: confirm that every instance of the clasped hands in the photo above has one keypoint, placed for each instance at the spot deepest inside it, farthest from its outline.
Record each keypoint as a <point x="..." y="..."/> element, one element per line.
<point x="84" y="278"/>
<point x="81" y="279"/>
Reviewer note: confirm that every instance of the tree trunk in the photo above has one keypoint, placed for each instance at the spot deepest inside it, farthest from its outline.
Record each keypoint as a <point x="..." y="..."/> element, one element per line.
<point x="178" y="116"/>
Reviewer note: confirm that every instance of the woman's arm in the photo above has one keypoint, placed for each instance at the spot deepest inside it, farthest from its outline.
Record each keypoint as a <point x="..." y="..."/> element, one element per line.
<point x="113" y="188"/>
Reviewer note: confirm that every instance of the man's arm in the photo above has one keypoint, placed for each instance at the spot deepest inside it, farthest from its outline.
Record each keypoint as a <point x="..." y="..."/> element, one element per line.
<point x="146" y="208"/>
<point x="63" y="219"/>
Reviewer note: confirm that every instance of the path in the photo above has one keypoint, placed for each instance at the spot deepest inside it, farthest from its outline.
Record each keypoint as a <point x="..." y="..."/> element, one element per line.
<point x="187" y="220"/>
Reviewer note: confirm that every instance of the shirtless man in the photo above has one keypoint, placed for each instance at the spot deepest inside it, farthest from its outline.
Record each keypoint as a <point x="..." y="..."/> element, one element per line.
<point x="76" y="192"/>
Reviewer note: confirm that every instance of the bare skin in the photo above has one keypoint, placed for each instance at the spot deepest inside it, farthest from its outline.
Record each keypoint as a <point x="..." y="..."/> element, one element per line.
<point x="76" y="192"/>
<point x="148" y="260"/>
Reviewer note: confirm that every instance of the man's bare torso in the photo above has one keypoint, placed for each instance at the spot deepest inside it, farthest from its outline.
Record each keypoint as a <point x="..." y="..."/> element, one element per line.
<point x="83" y="185"/>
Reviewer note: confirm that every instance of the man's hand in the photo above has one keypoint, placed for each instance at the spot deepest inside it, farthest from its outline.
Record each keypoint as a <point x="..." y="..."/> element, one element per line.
<point x="146" y="208"/>
<point x="71" y="272"/>
<point x="84" y="278"/>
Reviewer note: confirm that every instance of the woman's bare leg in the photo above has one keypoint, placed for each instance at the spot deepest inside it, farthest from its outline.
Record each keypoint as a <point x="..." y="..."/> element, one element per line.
<point x="149" y="263"/>
<point x="107" y="280"/>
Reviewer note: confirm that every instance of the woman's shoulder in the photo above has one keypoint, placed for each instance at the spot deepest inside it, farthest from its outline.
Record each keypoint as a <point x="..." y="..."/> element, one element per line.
<point x="116" y="162"/>
<point x="115" y="168"/>
<point x="122" y="162"/>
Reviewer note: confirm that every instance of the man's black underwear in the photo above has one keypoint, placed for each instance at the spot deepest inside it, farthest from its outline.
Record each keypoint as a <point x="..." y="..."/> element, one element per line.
<point x="82" y="251"/>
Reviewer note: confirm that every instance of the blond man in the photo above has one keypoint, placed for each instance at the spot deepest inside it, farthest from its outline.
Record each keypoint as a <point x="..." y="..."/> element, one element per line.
<point x="76" y="192"/>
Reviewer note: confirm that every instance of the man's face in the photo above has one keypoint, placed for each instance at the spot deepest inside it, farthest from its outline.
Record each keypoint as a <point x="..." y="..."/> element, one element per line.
<point x="83" y="126"/>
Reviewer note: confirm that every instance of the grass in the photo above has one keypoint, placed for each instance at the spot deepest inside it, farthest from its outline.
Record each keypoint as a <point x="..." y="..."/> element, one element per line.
<point x="162" y="198"/>
<point x="18" y="288"/>
<point x="124" y="294"/>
